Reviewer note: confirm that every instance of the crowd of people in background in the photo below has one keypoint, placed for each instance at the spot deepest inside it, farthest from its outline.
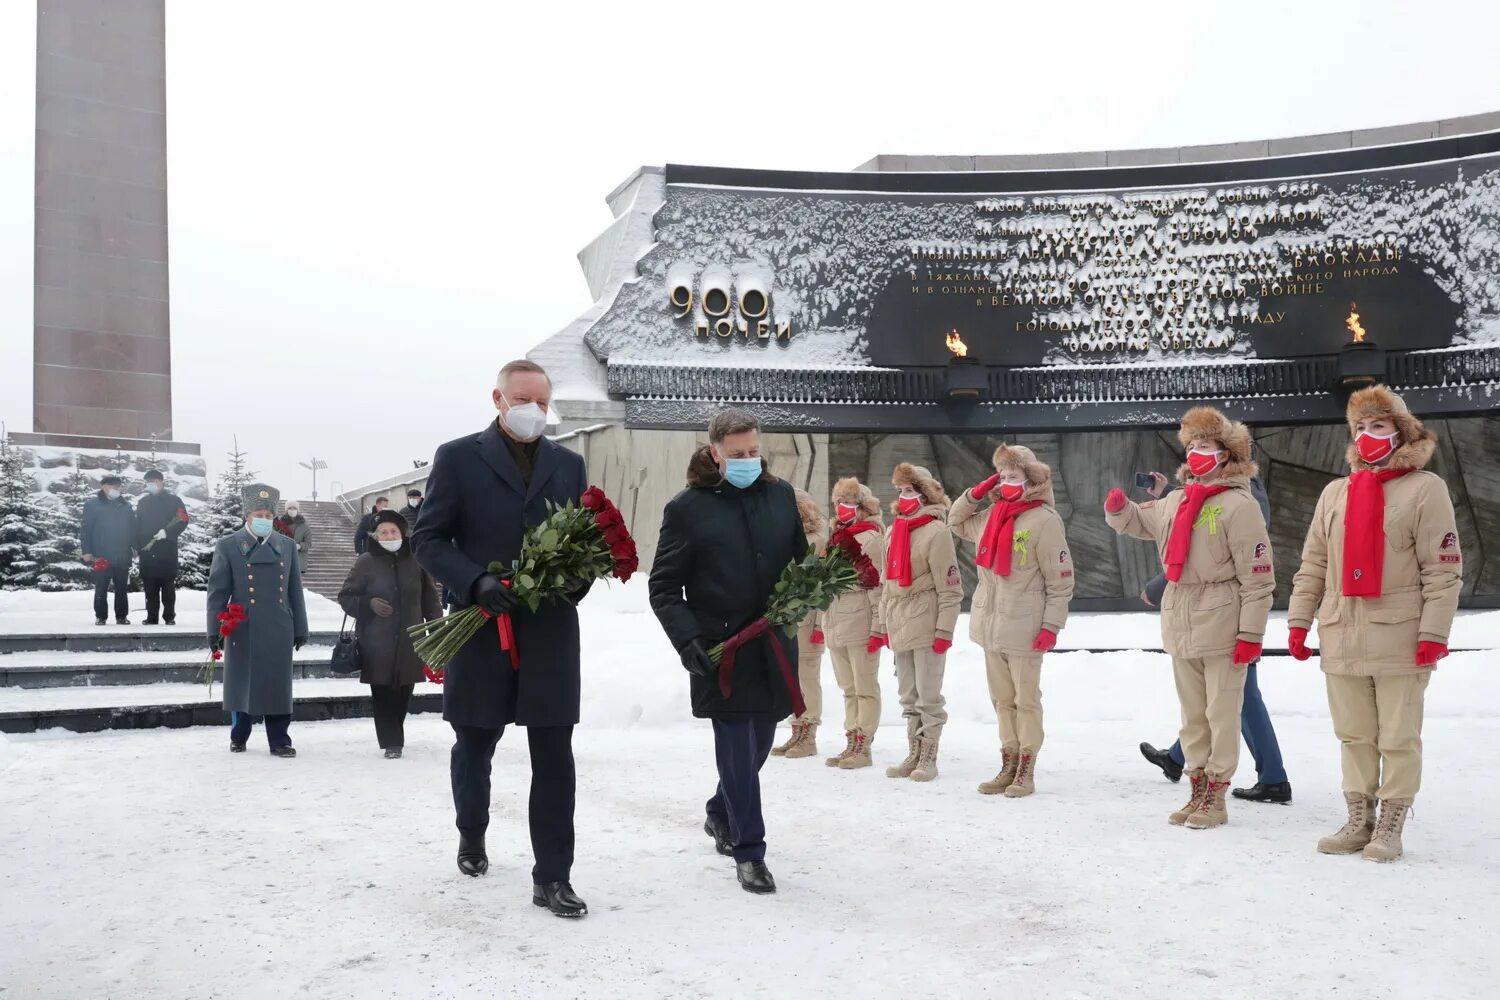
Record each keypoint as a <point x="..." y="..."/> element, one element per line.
<point x="113" y="534"/>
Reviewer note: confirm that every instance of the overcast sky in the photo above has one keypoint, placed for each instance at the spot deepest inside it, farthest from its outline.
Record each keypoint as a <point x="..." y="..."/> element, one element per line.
<point x="375" y="204"/>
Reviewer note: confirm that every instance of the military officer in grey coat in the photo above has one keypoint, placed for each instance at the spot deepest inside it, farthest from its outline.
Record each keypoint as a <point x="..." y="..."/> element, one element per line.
<point x="256" y="567"/>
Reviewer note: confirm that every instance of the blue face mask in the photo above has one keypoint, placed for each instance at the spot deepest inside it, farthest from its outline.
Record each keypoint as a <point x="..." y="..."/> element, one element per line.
<point x="741" y="472"/>
<point x="260" y="526"/>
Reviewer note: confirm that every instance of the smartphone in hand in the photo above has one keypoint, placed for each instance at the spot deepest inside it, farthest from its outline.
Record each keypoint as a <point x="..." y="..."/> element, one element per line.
<point x="1144" y="480"/>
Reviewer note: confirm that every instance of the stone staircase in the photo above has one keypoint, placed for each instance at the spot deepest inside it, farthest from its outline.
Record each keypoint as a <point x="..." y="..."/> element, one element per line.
<point x="332" y="550"/>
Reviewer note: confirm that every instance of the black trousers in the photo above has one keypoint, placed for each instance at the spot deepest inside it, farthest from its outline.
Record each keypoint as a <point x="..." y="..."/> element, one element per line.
<point x="741" y="747"/>
<point x="553" y="784"/>
<point x="391" y="703"/>
<point x="161" y="596"/>
<point x="118" y="574"/>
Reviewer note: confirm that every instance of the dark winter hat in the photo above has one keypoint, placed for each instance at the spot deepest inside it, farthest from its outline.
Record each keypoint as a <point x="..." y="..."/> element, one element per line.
<point x="155" y="476"/>
<point x="110" y="481"/>
<point x="389" y="517"/>
<point x="259" y="496"/>
<point x="413" y="492"/>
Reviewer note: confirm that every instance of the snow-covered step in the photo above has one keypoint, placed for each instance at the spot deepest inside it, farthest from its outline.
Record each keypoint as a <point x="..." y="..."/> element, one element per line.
<point x="46" y="669"/>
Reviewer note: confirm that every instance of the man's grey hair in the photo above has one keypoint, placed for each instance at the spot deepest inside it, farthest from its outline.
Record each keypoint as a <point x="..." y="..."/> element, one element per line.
<point x="731" y="421"/>
<point x="520" y="365"/>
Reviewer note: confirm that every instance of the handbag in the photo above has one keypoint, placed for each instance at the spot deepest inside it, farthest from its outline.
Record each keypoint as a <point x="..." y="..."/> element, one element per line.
<point x="347" y="657"/>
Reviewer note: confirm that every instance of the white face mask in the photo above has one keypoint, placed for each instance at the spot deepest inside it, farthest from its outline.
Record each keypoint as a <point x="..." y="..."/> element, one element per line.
<point x="153" y="487"/>
<point x="526" y="421"/>
<point x="413" y="501"/>
<point x="112" y="493"/>
<point x="390" y="544"/>
<point x="291" y="512"/>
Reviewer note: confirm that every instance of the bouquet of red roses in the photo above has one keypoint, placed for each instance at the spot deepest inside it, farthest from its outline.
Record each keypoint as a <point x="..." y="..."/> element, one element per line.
<point x="575" y="543"/>
<point x="804" y="587"/>
<point x="229" y="620"/>
<point x="101" y="566"/>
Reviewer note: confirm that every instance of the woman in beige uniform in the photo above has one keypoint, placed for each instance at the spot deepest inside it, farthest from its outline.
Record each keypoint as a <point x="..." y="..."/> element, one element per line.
<point x="852" y="627"/>
<point x="1381" y="572"/>
<point x="1020" y="603"/>
<point x="804" y="739"/>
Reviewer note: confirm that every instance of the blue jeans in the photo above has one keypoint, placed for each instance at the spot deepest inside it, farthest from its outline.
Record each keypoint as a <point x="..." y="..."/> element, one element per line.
<point x="276" y="728"/>
<point x="1260" y="737"/>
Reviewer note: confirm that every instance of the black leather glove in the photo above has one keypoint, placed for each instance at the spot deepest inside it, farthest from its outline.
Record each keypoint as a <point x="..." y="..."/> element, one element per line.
<point x="695" y="659"/>
<point x="575" y="590"/>
<point x="216" y="643"/>
<point x="299" y="642"/>
<point x="494" y="596"/>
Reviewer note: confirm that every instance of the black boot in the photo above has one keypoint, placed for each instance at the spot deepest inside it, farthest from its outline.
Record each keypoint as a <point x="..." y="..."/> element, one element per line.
<point x="1279" y="792"/>
<point x="1163" y="760"/>
<point x="720" y="835"/>
<point x="392" y="753"/>
<point x="149" y="621"/>
<point x="755" y="877"/>
<point x="286" y="751"/>
<point x="169" y="620"/>
<point x="560" y="898"/>
<point x="122" y="621"/>
<point x="236" y="747"/>
<point x="472" y="860"/>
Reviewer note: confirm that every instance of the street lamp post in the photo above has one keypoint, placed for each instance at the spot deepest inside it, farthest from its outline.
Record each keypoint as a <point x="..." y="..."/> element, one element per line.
<point x="314" y="465"/>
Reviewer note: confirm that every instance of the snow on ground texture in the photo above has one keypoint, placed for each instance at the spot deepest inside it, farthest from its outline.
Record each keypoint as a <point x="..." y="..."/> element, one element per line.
<point x="25" y="612"/>
<point x="154" y="864"/>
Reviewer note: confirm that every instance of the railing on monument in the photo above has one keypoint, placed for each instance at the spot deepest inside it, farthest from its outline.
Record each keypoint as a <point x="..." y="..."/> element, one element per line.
<point x="1461" y="366"/>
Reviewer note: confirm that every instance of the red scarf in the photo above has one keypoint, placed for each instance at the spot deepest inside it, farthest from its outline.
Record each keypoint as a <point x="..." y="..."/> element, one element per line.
<point x="898" y="559"/>
<point x="999" y="535"/>
<point x="1364" y="531"/>
<point x="1181" y="538"/>
<point x="859" y="527"/>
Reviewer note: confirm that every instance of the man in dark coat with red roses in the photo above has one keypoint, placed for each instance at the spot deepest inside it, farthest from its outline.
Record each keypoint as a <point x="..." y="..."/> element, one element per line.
<point x="724" y="542"/>
<point x="483" y="491"/>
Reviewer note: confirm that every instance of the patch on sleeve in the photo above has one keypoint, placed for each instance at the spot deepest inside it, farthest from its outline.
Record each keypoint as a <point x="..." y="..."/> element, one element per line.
<point x="1147" y="505"/>
<point x="1449" y="557"/>
<point x="1261" y="568"/>
<point x="953" y="575"/>
<point x="1065" y="574"/>
<point x="1062" y="556"/>
<point x="1260" y="550"/>
<point x="1450" y="541"/>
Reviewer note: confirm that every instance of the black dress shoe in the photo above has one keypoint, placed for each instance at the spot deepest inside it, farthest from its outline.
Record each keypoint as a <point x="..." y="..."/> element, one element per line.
<point x="1163" y="760"/>
<point x="102" y="621"/>
<point x="169" y="621"/>
<point x="755" y="877"/>
<point x="392" y="753"/>
<point x="721" y="837"/>
<point x="560" y="898"/>
<point x="283" y="751"/>
<point x="1280" y="792"/>
<point x="122" y="621"/>
<point x="472" y="860"/>
<point x="149" y="621"/>
<point x="236" y="747"/>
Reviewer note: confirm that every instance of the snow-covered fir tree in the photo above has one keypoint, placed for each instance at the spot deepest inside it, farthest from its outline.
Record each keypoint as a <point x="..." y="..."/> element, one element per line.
<point x="223" y="515"/>
<point x="62" y="565"/>
<point x="22" y="522"/>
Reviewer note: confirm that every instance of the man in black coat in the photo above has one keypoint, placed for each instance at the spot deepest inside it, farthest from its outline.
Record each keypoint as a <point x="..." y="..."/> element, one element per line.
<point x="160" y="518"/>
<point x="724" y="542"/>
<point x="413" y="508"/>
<point x="486" y="489"/>
<point x="367" y="525"/>
<point x="107" y="532"/>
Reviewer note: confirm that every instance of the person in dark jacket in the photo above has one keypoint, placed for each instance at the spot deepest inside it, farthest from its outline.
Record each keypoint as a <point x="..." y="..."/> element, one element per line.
<point x="161" y="518"/>
<point x="413" y="507"/>
<point x="1271" y="784"/>
<point x="724" y="542"/>
<point x="106" y="536"/>
<point x="487" y="488"/>
<point x="294" y="526"/>
<point x="387" y="593"/>
<point x="367" y="525"/>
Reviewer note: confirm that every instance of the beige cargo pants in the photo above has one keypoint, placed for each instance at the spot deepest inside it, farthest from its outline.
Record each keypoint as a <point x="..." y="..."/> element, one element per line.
<point x="1378" y="721"/>
<point x="1016" y="691"/>
<point x="858" y="674"/>
<point x="1211" y="691"/>
<point x="810" y="673"/>
<point x="919" y="683"/>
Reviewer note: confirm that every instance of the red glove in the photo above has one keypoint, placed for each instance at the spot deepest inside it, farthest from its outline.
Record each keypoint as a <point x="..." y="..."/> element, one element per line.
<point x="1428" y="653"/>
<point x="1115" y="502"/>
<point x="1246" y="652"/>
<point x="941" y="646"/>
<point x="1296" y="644"/>
<point x="817" y="637"/>
<point x="983" y="489"/>
<point x="876" y="644"/>
<point x="1045" y="640"/>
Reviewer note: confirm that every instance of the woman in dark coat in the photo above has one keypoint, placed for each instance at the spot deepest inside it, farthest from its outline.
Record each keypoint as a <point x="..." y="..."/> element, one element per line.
<point x="387" y="593"/>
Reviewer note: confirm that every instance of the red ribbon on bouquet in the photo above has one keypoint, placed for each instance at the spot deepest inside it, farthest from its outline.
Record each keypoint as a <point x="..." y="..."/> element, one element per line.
<point x="761" y="626"/>
<point x="507" y="636"/>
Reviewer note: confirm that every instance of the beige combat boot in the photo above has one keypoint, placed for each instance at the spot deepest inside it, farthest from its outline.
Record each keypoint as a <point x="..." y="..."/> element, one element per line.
<point x="926" y="768"/>
<point x="1025" y="782"/>
<point x="1001" y="781"/>
<point x="808" y="746"/>
<point x="838" y="758"/>
<point x="913" y="754"/>
<point x="1211" y="810"/>
<point x="1200" y="786"/>
<point x="860" y="755"/>
<point x="1352" y="837"/>
<point x="1386" y="844"/>
<point x="791" y="741"/>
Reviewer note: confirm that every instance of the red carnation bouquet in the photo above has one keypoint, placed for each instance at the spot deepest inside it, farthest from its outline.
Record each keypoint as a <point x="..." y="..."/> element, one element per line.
<point x="101" y="566"/>
<point x="575" y="543"/>
<point x="229" y="620"/>
<point x="804" y="587"/>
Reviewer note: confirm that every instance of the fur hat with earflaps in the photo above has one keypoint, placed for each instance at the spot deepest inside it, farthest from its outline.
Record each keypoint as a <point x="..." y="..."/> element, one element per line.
<point x="1379" y="403"/>
<point x="925" y="482"/>
<point x="813" y="521"/>
<point x="851" y="491"/>
<point x="1233" y="437"/>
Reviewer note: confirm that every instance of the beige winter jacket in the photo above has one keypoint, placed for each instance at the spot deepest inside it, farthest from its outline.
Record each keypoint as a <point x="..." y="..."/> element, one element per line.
<point x="928" y="609"/>
<point x="1420" y="580"/>
<point x="1009" y="611"/>
<point x="854" y="615"/>
<point x="1227" y="583"/>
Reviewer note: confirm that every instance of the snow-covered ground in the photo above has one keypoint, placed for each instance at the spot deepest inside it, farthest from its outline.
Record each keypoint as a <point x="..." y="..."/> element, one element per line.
<point x="154" y="864"/>
<point x="30" y="612"/>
